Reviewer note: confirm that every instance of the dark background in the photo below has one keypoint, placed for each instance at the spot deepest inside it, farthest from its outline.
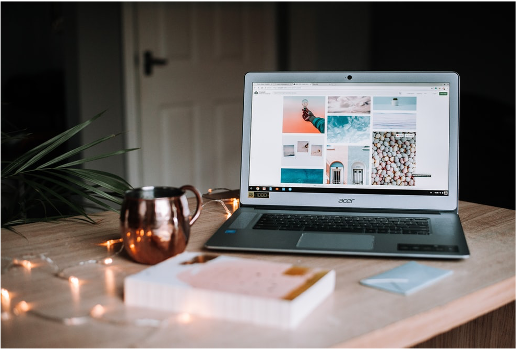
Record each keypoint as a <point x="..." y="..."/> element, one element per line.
<point x="41" y="55"/>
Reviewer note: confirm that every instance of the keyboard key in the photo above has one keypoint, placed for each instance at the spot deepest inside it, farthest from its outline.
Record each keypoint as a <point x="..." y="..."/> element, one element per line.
<point x="342" y="223"/>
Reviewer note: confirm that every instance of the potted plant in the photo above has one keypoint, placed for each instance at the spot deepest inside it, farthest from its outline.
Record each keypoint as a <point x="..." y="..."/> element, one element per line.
<point x="53" y="186"/>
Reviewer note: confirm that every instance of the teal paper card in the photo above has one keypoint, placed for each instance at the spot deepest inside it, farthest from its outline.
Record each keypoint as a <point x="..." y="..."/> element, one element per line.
<point x="407" y="278"/>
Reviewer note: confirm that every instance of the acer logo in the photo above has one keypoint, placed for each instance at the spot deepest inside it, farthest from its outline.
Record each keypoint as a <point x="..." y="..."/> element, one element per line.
<point x="346" y="200"/>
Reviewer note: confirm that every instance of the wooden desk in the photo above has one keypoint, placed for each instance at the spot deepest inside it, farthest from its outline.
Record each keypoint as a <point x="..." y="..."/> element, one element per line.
<point x="354" y="316"/>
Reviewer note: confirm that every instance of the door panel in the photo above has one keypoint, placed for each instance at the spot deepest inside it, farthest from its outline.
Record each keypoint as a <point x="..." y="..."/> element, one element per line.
<point x="191" y="108"/>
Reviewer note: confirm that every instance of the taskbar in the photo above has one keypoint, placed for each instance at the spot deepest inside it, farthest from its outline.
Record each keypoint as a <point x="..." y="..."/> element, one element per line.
<point x="390" y="191"/>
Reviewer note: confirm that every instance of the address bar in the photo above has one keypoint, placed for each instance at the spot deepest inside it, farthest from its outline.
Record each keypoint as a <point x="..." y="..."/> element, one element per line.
<point x="336" y="87"/>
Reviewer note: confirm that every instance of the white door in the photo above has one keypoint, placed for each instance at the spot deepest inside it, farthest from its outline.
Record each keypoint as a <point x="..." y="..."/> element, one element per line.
<point x="190" y="109"/>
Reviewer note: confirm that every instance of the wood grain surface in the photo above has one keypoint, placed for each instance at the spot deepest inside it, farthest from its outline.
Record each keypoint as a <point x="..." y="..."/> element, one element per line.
<point x="354" y="316"/>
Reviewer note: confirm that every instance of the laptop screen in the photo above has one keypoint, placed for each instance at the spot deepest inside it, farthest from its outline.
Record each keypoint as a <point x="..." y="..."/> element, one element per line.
<point x="348" y="140"/>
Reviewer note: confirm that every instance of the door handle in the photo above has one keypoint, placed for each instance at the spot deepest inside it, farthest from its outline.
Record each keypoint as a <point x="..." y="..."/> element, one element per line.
<point x="150" y="61"/>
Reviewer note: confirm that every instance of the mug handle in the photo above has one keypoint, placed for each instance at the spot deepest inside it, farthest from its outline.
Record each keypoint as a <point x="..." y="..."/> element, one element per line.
<point x="199" y="202"/>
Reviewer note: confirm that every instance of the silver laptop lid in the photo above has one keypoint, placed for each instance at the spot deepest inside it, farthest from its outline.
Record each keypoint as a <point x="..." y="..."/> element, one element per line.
<point x="375" y="140"/>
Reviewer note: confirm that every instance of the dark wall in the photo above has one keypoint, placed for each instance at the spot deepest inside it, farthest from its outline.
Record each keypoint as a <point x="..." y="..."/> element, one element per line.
<point x="476" y="40"/>
<point x="41" y="65"/>
<point x="33" y="93"/>
<point x="61" y="65"/>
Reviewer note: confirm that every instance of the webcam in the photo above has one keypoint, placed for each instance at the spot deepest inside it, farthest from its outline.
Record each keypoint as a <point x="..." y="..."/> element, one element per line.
<point x="350" y="77"/>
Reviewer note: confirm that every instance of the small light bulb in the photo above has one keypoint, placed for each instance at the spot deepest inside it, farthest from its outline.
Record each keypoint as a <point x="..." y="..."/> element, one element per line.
<point x="21" y="307"/>
<point x="110" y="242"/>
<point x="6" y="303"/>
<point x="108" y="261"/>
<point x="27" y="264"/>
<point x="24" y="263"/>
<point x="74" y="281"/>
<point x="5" y="294"/>
<point x="184" y="318"/>
<point x="97" y="311"/>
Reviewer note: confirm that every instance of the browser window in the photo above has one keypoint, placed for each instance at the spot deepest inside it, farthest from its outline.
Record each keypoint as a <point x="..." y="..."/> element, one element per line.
<point x="350" y="138"/>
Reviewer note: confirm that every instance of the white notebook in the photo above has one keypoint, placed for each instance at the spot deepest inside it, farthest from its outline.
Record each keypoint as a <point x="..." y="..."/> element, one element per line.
<point x="243" y="290"/>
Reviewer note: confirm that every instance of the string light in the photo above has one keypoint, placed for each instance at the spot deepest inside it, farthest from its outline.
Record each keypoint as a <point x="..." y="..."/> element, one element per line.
<point x="212" y="198"/>
<point x="110" y="244"/>
<point x="74" y="281"/>
<point x="21" y="307"/>
<point x="98" y="311"/>
<point x="184" y="318"/>
<point x="26" y="264"/>
<point x="22" y="263"/>
<point x="5" y="295"/>
<point x="6" y="304"/>
<point x="221" y="202"/>
<point x="6" y="315"/>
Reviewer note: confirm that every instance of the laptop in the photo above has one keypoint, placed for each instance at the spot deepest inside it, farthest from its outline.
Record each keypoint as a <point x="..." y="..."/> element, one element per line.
<point x="349" y="163"/>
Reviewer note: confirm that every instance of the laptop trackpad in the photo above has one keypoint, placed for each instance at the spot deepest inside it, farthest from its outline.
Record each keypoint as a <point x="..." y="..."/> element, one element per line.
<point x="333" y="241"/>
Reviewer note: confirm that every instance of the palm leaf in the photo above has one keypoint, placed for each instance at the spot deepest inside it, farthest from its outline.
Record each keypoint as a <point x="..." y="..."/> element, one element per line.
<point x="82" y="194"/>
<point x="37" y="198"/>
<point x="34" y="155"/>
<point x="89" y="188"/>
<point x="101" y="180"/>
<point x="76" y="151"/>
<point x="7" y="137"/>
<point x="114" y="177"/>
<point x="105" y="155"/>
<point x="50" y="185"/>
<point x="62" y="199"/>
<point x="32" y="197"/>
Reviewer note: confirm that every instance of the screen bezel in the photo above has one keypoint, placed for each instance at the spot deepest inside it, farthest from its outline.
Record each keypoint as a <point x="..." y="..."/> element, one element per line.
<point x="358" y="201"/>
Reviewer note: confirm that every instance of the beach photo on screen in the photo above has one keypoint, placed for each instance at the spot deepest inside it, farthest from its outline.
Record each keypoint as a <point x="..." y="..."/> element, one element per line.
<point x="349" y="129"/>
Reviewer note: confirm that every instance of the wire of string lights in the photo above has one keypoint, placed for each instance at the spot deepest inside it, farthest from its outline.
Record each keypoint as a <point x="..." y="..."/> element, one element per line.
<point x="97" y="312"/>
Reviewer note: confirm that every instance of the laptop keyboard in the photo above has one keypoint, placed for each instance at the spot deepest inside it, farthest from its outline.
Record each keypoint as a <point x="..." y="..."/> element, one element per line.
<point x="348" y="224"/>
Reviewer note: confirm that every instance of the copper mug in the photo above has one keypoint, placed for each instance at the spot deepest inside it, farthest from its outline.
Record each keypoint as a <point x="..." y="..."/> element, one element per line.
<point x="155" y="222"/>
